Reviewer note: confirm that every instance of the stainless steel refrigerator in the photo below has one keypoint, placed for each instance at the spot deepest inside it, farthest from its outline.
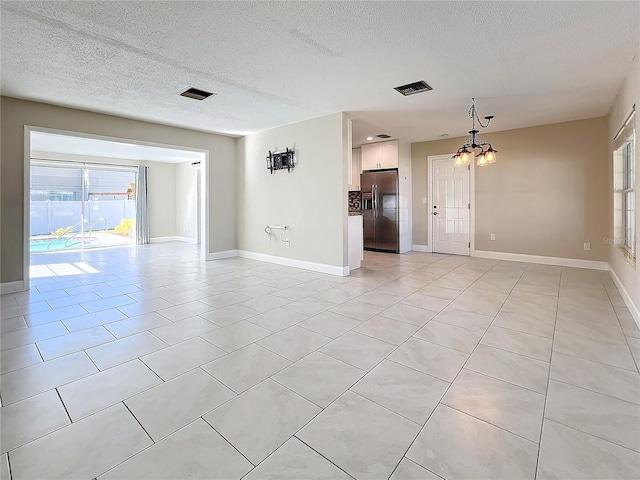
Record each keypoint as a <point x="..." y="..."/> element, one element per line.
<point x="380" y="209"/>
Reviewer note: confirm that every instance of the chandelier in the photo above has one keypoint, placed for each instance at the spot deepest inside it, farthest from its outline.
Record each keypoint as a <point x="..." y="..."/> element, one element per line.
<point x="487" y="154"/>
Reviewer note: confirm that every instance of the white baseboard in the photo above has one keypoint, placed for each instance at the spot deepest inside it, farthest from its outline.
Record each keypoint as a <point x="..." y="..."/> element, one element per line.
<point x="174" y="238"/>
<point x="290" y="262"/>
<point x="562" y="262"/>
<point x="163" y="239"/>
<point x="12" y="287"/>
<point x="187" y="240"/>
<point x="221" y="255"/>
<point x="633" y="308"/>
<point x="421" y="248"/>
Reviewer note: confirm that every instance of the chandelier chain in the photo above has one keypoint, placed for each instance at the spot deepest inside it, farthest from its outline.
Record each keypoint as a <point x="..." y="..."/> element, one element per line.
<point x="473" y="115"/>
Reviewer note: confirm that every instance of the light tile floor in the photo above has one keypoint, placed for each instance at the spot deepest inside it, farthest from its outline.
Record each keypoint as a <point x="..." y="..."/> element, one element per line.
<point x="146" y="363"/>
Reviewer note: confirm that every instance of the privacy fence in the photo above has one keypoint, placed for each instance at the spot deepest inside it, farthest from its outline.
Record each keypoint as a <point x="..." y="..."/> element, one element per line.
<point x="47" y="216"/>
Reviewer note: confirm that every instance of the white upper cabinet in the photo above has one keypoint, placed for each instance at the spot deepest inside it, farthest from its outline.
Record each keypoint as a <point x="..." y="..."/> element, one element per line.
<point x="356" y="170"/>
<point x="388" y="154"/>
<point x="376" y="156"/>
<point x="369" y="157"/>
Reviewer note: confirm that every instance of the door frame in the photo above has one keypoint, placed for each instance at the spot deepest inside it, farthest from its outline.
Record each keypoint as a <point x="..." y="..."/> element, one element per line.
<point x="83" y="166"/>
<point x="204" y="184"/>
<point x="472" y="200"/>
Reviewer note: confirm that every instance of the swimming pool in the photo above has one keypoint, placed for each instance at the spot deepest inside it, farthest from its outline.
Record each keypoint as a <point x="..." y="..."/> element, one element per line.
<point x="42" y="245"/>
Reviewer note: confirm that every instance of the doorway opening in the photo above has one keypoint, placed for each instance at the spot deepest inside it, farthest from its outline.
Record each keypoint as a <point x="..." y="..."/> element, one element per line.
<point x="451" y="209"/>
<point x="87" y="192"/>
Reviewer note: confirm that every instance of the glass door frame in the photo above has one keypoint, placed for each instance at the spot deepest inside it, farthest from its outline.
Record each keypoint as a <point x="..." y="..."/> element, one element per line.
<point x="84" y="168"/>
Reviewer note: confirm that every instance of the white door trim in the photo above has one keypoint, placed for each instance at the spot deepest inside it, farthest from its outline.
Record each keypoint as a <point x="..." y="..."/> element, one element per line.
<point x="204" y="185"/>
<point x="472" y="201"/>
<point x="26" y="213"/>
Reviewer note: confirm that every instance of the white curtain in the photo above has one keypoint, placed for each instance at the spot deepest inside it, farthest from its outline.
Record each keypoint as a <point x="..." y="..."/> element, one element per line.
<point x="142" y="206"/>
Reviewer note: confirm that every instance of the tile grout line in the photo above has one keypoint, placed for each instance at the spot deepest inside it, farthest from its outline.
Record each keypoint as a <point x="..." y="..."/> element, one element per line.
<point x="63" y="405"/>
<point x="327" y="459"/>
<point x="592" y="359"/>
<point x="9" y="466"/>
<point x="39" y="352"/>
<point x="564" y="382"/>
<point x="512" y="352"/>
<point x="153" y="442"/>
<point x="229" y="442"/>
<point x="546" y="394"/>
<point x="489" y="423"/>
<point x="592" y="435"/>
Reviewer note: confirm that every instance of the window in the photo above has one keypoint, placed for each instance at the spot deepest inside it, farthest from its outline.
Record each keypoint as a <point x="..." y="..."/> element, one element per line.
<point x="624" y="188"/>
<point x="629" y="196"/>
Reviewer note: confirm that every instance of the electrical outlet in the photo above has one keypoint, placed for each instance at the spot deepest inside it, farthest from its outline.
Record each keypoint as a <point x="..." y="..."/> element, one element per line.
<point x="587" y="246"/>
<point x="493" y="236"/>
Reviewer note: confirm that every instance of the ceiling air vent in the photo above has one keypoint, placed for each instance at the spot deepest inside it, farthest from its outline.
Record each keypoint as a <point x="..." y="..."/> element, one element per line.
<point x="196" y="94"/>
<point x="383" y="135"/>
<point x="413" y="88"/>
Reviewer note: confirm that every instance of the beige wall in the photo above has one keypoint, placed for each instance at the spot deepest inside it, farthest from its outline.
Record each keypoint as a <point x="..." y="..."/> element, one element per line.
<point x="629" y="95"/>
<point x="311" y="199"/>
<point x="186" y="204"/>
<point x="546" y="195"/>
<point x="18" y="113"/>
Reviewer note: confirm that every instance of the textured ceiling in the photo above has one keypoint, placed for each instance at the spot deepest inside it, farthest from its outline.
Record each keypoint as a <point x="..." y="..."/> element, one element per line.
<point x="274" y="63"/>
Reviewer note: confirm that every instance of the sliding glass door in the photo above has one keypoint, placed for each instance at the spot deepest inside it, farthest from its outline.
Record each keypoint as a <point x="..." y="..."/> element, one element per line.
<point x="81" y="206"/>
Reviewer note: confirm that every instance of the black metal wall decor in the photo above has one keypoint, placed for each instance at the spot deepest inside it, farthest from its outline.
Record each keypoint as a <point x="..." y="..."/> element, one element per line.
<point x="280" y="160"/>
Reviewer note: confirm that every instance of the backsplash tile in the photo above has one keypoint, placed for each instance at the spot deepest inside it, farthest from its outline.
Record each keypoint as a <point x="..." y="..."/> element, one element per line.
<point x="355" y="202"/>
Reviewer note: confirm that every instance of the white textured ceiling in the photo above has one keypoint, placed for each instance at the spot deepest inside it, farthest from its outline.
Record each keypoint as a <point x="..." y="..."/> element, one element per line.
<point x="274" y="63"/>
<point x="50" y="142"/>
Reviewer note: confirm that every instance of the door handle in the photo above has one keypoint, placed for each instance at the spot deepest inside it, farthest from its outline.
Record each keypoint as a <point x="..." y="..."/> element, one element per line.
<point x="435" y="213"/>
<point x="374" y="200"/>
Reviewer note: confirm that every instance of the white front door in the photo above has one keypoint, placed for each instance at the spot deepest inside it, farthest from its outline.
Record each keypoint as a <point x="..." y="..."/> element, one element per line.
<point x="450" y="207"/>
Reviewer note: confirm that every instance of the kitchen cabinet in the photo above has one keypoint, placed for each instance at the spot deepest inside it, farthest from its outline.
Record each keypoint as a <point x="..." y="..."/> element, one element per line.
<point x="355" y="170"/>
<point x="377" y="156"/>
<point x="356" y="251"/>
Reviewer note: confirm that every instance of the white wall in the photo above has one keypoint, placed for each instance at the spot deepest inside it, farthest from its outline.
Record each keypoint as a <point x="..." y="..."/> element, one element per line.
<point x="404" y="195"/>
<point x="186" y="204"/>
<point x="311" y="199"/>
<point x="627" y="273"/>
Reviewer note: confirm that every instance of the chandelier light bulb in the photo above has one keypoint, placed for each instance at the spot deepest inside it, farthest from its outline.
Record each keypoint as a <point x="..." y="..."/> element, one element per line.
<point x="491" y="155"/>
<point x="465" y="157"/>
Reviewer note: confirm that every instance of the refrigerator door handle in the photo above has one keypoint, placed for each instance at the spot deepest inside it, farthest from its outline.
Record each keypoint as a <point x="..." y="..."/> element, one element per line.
<point x="375" y="200"/>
